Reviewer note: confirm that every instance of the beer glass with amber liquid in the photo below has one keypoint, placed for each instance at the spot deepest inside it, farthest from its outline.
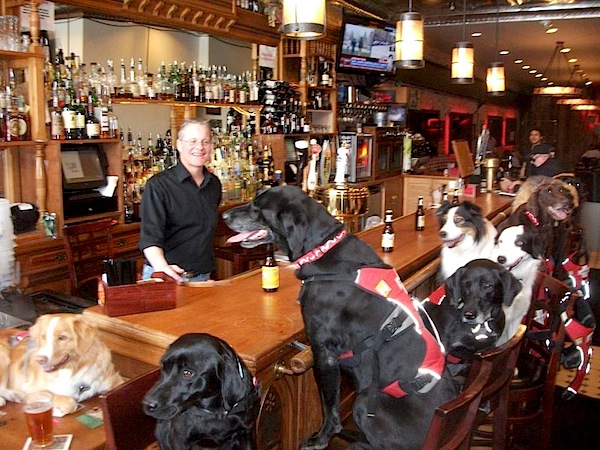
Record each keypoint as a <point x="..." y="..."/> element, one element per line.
<point x="38" y="412"/>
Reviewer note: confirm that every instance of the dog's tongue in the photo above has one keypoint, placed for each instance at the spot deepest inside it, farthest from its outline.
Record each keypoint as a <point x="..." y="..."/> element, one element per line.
<point x="247" y="236"/>
<point x="559" y="213"/>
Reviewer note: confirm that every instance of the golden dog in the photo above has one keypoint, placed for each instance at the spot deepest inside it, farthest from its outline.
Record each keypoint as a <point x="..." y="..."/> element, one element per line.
<point x="63" y="354"/>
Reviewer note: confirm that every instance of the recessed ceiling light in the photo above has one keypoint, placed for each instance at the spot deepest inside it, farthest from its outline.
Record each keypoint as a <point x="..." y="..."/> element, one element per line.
<point x="551" y="29"/>
<point x="544" y="79"/>
<point x="526" y="67"/>
<point x="550" y="83"/>
<point x="565" y="50"/>
<point x="518" y="61"/>
<point x="504" y="52"/>
<point x="587" y="83"/>
<point x="573" y="60"/>
<point x="476" y="34"/>
<point x="533" y="71"/>
<point x="538" y="75"/>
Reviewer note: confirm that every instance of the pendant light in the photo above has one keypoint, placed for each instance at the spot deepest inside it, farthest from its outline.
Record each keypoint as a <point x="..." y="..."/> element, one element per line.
<point x="555" y="88"/>
<point x="463" y="56"/>
<point x="409" y="40"/>
<point x="495" y="77"/>
<point x="304" y="19"/>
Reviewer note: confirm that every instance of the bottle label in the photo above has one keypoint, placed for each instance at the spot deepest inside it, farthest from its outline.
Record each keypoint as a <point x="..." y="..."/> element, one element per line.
<point x="387" y="240"/>
<point x="270" y="277"/>
<point x="92" y="130"/>
<point x="420" y="221"/>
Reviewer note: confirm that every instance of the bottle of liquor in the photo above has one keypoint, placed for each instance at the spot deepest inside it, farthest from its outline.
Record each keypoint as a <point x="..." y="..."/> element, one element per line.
<point x="270" y="272"/>
<point x="387" y="236"/>
<point x="57" y="129"/>
<point x="420" y="217"/>
<point x="455" y="201"/>
<point x="92" y="124"/>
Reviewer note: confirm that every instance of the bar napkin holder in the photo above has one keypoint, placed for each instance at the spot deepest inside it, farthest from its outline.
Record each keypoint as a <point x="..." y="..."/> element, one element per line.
<point x="155" y="294"/>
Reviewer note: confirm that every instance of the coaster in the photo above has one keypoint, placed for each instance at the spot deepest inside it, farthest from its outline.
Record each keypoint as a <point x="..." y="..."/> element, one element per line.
<point x="61" y="442"/>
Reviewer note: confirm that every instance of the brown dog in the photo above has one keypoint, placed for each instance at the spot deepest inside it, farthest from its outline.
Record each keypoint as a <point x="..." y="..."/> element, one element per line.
<point x="63" y="354"/>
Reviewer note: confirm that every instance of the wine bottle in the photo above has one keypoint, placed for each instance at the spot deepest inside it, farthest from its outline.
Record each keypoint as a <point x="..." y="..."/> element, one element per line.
<point x="420" y="218"/>
<point x="388" y="235"/>
<point x="270" y="272"/>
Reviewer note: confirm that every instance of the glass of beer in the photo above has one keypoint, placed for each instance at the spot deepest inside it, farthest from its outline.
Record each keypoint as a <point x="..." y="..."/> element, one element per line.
<point x="38" y="411"/>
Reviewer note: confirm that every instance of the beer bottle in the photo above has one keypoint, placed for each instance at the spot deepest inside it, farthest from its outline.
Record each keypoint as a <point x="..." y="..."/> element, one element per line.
<point x="387" y="236"/>
<point x="420" y="219"/>
<point x="270" y="272"/>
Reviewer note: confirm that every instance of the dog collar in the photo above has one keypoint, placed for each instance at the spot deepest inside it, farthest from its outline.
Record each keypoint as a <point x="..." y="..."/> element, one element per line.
<point x="532" y="218"/>
<point x="318" y="252"/>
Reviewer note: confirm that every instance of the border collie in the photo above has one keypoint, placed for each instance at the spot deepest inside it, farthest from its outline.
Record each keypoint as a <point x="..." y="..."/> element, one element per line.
<point x="520" y="253"/>
<point x="466" y="236"/>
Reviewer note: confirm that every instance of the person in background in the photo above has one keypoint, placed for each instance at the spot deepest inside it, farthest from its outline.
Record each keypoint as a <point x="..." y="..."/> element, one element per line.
<point x="179" y="210"/>
<point x="541" y="162"/>
<point x="536" y="137"/>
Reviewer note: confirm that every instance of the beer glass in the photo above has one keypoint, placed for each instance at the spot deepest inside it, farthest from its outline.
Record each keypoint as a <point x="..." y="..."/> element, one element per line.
<point x="38" y="411"/>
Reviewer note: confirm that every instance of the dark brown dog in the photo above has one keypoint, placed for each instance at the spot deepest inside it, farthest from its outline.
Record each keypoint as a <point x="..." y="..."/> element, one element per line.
<point x="342" y="318"/>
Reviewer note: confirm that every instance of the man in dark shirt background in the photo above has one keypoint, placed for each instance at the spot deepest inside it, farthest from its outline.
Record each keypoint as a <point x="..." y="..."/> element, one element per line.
<point x="179" y="210"/>
<point x="541" y="162"/>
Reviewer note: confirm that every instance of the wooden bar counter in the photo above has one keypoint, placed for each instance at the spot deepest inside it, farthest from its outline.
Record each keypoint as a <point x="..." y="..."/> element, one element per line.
<point x="261" y="326"/>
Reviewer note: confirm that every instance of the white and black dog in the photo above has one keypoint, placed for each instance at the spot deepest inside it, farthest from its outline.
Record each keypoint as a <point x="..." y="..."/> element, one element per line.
<point x="466" y="236"/>
<point x="519" y="252"/>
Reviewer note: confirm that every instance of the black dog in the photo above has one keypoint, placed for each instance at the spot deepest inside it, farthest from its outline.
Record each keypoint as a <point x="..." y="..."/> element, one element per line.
<point x="205" y="397"/>
<point x="378" y="341"/>
<point x="471" y="318"/>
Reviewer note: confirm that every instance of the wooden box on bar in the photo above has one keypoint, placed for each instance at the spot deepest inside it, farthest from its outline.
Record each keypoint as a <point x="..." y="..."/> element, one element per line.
<point x="144" y="296"/>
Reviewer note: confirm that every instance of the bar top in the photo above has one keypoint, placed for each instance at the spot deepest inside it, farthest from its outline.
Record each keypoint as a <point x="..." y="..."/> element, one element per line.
<point x="259" y="325"/>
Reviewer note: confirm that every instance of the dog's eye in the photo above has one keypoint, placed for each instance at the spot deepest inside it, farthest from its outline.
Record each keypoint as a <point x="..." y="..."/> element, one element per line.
<point x="63" y="337"/>
<point x="519" y="243"/>
<point x="488" y="287"/>
<point x="187" y="374"/>
<point x="458" y="220"/>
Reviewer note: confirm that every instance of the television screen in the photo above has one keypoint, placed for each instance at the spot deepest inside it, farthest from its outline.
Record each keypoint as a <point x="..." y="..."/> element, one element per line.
<point x="366" y="47"/>
<point x="83" y="167"/>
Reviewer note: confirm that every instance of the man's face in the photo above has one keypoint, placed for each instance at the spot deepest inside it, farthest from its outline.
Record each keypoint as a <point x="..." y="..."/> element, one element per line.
<point x="538" y="159"/>
<point x="194" y="146"/>
<point x="535" y="137"/>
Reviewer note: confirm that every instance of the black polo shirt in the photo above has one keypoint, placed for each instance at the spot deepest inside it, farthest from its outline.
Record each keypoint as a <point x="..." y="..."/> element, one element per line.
<point x="181" y="218"/>
<point x="550" y="168"/>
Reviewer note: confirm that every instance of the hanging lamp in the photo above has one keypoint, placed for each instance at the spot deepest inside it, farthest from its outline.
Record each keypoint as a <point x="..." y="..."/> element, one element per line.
<point x="556" y="89"/>
<point x="463" y="56"/>
<point x="409" y="40"/>
<point x="304" y="19"/>
<point x="495" y="79"/>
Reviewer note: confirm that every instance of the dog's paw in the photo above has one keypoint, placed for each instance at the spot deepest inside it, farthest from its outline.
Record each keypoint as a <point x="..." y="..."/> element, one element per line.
<point x="63" y="406"/>
<point x="320" y="440"/>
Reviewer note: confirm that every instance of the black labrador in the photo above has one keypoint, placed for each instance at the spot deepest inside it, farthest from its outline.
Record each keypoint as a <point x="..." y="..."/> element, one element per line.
<point x="471" y="318"/>
<point x="206" y="398"/>
<point x="380" y="342"/>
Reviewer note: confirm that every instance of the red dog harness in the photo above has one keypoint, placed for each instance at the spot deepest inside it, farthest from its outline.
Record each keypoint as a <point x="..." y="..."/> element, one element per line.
<point x="385" y="283"/>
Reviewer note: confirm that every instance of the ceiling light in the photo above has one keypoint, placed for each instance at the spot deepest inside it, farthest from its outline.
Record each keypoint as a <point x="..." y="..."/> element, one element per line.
<point x="476" y="34"/>
<point x="585" y="107"/>
<point x="565" y="50"/>
<point x="551" y="29"/>
<point x="572" y="60"/>
<point x="504" y="52"/>
<point x="409" y="43"/>
<point x="560" y="89"/>
<point x="518" y="61"/>
<point x="544" y="79"/>
<point x="588" y="83"/>
<point x="495" y="79"/>
<point x="463" y="57"/>
<point x="538" y="75"/>
<point x="526" y="67"/>
<point x="532" y="71"/>
<point x="304" y="19"/>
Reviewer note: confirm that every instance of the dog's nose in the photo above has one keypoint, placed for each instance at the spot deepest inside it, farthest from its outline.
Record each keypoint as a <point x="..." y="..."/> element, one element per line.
<point x="469" y="315"/>
<point x="501" y="259"/>
<point x="150" y="405"/>
<point x="41" y="360"/>
<point x="443" y="234"/>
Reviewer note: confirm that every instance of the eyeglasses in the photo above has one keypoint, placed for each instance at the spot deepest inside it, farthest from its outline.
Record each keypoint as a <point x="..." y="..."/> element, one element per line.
<point x="195" y="142"/>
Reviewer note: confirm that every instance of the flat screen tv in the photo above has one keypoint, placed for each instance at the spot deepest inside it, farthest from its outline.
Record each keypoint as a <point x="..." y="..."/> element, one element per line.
<point x="83" y="167"/>
<point x="366" y="47"/>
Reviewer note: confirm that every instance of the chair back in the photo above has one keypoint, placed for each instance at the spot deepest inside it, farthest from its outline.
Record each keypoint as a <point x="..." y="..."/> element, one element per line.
<point x="495" y="396"/>
<point x="452" y="422"/>
<point x="532" y="392"/>
<point x="87" y="245"/>
<point x="125" y="424"/>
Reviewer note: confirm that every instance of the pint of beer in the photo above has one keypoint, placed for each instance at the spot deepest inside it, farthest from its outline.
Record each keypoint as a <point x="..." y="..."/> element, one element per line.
<point x="38" y="411"/>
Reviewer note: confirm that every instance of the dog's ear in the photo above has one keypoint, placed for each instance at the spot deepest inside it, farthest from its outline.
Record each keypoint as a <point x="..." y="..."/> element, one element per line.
<point x="533" y="204"/>
<point x="235" y="377"/>
<point x="511" y="287"/>
<point x="83" y="334"/>
<point x="442" y="210"/>
<point x="453" y="294"/>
